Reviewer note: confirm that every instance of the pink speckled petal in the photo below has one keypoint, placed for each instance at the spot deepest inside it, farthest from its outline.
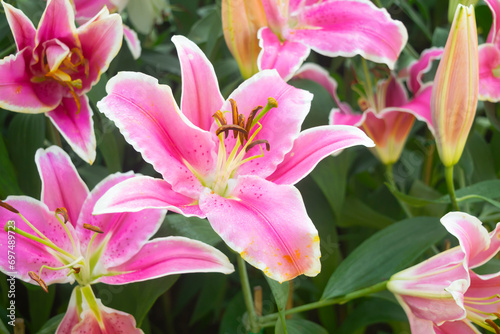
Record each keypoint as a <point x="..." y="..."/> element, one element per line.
<point x="21" y="27"/>
<point x="58" y="22"/>
<point x="283" y="56"/>
<point x="148" y="117"/>
<point x="31" y="255"/>
<point x="76" y="126"/>
<point x="129" y="228"/>
<point x="87" y="9"/>
<point x="18" y="93"/>
<point x="280" y="126"/>
<point x="312" y="146"/>
<point x="418" y="68"/>
<point x="169" y="256"/>
<point x="201" y="97"/>
<point x="101" y="39"/>
<point x="61" y="184"/>
<point x="350" y="27"/>
<point x="145" y="192"/>
<point x="268" y="225"/>
<point x="133" y="42"/>
<point x="489" y="84"/>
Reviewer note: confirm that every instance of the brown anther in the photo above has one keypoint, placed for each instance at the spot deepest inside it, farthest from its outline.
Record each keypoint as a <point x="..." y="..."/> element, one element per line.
<point x="92" y="228"/>
<point x="76" y="269"/>
<point x="251" y="117"/>
<point x="220" y="117"/>
<point x="64" y="213"/>
<point x="234" y="109"/>
<point x="242" y="136"/>
<point x="8" y="207"/>
<point x="37" y="279"/>
<point x="493" y="325"/>
<point x="258" y="142"/>
<point x="229" y="127"/>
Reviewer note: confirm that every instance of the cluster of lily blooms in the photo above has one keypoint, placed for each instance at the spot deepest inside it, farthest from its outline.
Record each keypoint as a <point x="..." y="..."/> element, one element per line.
<point x="235" y="161"/>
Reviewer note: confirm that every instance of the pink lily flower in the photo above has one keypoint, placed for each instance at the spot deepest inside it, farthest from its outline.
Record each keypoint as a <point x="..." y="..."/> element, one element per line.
<point x="442" y="295"/>
<point x="489" y="58"/>
<point x="389" y="114"/>
<point x="332" y="28"/>
<point x="56" y="65"/>
<point x="87" y="9"/>
<point x="212" y="168"/>
<point x="111" y="249"/>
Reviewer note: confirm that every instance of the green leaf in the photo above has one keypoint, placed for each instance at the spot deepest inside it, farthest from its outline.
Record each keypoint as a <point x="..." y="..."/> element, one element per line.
<point x="233" y="319"/>
<point x="383" y="254"/>
<point x="8" y="181"/>
<point x="25" y="135"/>
<point x="372" y="311"/>
<point x="301" y="326"/>
<point x="415" y="17"/>
<point x="135" y="298"/>
<point x="280" y="293"/>
<point x="211" y="296"/>
<point x="50" y="326"/>
<point x="190" y="227"/>
<point x="356" y="213"/>
<point x="40" y="303"/>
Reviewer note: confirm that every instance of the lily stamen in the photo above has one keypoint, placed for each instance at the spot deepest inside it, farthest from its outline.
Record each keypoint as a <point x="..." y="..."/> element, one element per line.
<point x="493" y="325"/>
<point x="8" y="207"/>
<point x="93" y="228"/>
<point x="258" y="142"/>
<point x="37" y="279"/>
<point x="229" y="127"/>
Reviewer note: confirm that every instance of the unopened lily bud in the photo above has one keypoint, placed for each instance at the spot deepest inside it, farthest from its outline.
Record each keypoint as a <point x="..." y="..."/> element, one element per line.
<point x="241" y="19"/>
<point x="455" y="91"/>
<point x="452" y="6"/>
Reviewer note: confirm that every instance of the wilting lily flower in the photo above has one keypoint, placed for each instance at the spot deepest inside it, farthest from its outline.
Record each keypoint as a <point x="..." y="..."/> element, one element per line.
<point x="91" y="316"/>
<point x="73" y="245"/>
<point x="87" y="9"/>
<point x="455" y="90"/>
<point x="489" y="58"/>
<point x="388" y="114"/>
<point x="56" y="65"/>
<point x="328" y="27"/>
<point x="443" y="295"/>
<point x="234" y="162"/>
<point x="241" y="20"/>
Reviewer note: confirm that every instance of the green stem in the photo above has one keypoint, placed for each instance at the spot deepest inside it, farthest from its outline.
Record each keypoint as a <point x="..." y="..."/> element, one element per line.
<point x="448" y="174"/>
<point x="390" y="178"/>
<point x="268" y="319"/>
<point x="369" y="87"/>
<point x="247" y="295"/>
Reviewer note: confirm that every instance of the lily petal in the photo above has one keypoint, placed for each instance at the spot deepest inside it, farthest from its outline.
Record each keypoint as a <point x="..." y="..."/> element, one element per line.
<point x="144" y="192"/>
<point x="456" y="327"/>
<point x="489" y="84"/>
<point x="76" y="126"/>
<point x="133" y="42"/>
<point x="61" y="184"/>
<point x="201" y="97"/>
<point x="421" y="66"/>
<point x="276" y="13"/>
<point x="101" y="39"/>
<point x="22" y="29"/>
<point x="350" y="27"/>
<point x="18" y="93"/>
<point x="44" y="220"/>
<point x="169" y="256"/>
<point x="71" y="317"/>
<point x="113" y="321"/>
<point x="148" y="117"/>
<point x="280" y="126"/>
<point x="312" y="146"/>
<point x="484" y="287"/>
<point x="338" y="117"/>
<point x="494" y="6"/>
<point x="268" y="225"/>
<point x="58" y="22"/>
<point x="129" y="228"/>
<point x="469" y="231"/>
<point x="87" y="9"/>
<point x="486" y="254"/>
<point x="283" y="56"/>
